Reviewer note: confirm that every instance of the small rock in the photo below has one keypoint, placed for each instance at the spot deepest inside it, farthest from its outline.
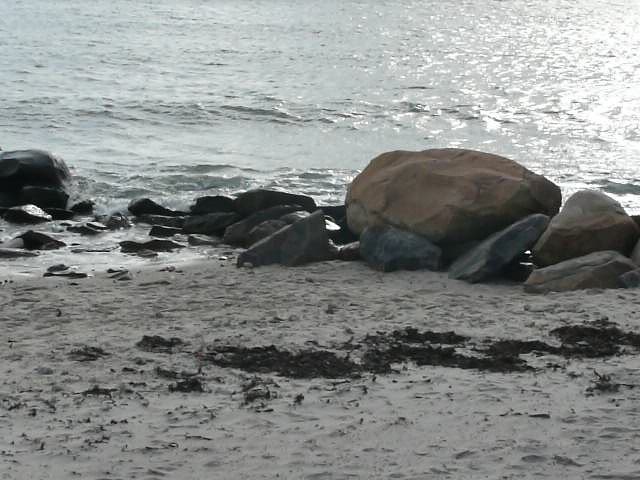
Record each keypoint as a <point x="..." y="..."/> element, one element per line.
<point x="84" y="207"/>
<point x="26" y="214"/>
<point x="154" y="245"/>
<point x="143" y="206"/>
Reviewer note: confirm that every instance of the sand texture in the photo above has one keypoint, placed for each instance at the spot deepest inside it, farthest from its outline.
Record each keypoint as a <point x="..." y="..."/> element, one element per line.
<point x="81" y="398"/>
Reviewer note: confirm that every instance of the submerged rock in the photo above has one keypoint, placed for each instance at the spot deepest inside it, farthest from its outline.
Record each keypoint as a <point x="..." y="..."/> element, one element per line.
<point x="141" y="206"/>
<point x="596" y="270"/>
<point x="449" y="196"/>
<point x="302" y="242"/>
<point x="26" y="214"/>
<point x="256" y="200"/>
<point x="499" y="250"/>
<point x="387" y="249"/>
<point x="590" y="221"/>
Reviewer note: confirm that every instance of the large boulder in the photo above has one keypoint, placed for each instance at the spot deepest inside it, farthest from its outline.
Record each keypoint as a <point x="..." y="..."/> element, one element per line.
<point x="494" y="254"/>
<point x="22" y="168"/>
<point x="44" y="197"/>
<point x="302" y="242"/>
<point x="596" y="270"/>
<point x="387" y="249"/>
<point x="450" y="196"/>
<point x="253" y="201"/>
<point x="590" y="221"/>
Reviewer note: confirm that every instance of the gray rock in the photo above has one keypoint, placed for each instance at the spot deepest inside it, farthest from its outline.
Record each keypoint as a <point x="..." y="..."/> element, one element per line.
<point x="15" y="253"/>
<point x="492" y="255"/>
<point x="210" y="223"/>
<point x="60" y="213"/>
<point x="349" y="252"/>
<point x="26" y="214"/>
<point x="88" y="228"/>
<point x="155" y="245"/>
<point x="162" y="220"/>
<point x="256" y="200"/>
<point x="387" y="249"/>
<point x="238" y="233"/>
<point x="117" y="221"/>
<point x="264" y="229"/>
<point x="635" y="254"/>
<point x="302" y="242"/>
<point x="630" y="279"/>
<point x="596" y="270"/>
<point x="212" y="204"/>
<point x="44" y="197"/>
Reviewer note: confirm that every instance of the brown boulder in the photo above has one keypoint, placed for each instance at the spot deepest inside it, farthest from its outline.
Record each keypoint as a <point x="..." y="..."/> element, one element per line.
<point x="449" y="196"/>
<point x="590" y="221"/>
<point x="596" y="270"/>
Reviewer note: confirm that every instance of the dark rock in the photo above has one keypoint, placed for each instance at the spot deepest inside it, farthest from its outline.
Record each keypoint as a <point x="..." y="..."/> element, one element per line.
<point x="630" y="279"/>
<point x="154" y="245"/>
<point x="26" y="214"/>
<point x="299" y="243"/>
<point x="209" y="224"/>
<point x="293" y="217"/>
<point x="160" y="231"/>
<point x="635" y="254"/>
<point x="15" y="253"/>
<point x="499" y="250"/>
<point x="44" y="197"/>
<point x="596" y="270"/>
<point x="342" y="236"/>
<point x="29" y="167"/>
<point x="143" y="206"/>
<point x="387" y="249"/>
<point x="162" y="220"/>
<point x="203" y="240"/>
<point x="254" y="201"/>
<point x="84" y="207"/>
<point x="263" y="230"/>
<point x="188" y="385"/>
<point x="336" y="212"/>
<point x="116" y="221"/>
<point x="212" y="204"/>
<point x="40" y="241"/>
<point x="66" y="273"/>
<point x="517" y="271"/>
<point x="158" y="344"/>
<point x="60" y="213"/>
<point x="349" y="252"/>
<point x="238" y="233"/>
<point x="88" y="228"/>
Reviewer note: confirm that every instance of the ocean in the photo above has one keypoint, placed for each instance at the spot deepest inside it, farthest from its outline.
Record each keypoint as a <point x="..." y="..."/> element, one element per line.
<point x="183" y="98"/>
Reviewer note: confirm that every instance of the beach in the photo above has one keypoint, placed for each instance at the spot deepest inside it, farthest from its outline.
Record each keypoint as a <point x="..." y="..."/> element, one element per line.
<point x="83" y="397"/>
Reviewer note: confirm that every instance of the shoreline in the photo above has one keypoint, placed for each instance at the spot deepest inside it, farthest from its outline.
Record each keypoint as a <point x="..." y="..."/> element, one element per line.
<point x="429" y="421"/>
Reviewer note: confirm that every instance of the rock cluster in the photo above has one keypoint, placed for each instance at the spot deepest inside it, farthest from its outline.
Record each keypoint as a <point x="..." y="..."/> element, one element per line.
<point x="479" y="215"/>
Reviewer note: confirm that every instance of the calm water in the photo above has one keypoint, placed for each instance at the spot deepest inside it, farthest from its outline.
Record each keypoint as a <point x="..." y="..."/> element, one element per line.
<point x="180" y="98"/>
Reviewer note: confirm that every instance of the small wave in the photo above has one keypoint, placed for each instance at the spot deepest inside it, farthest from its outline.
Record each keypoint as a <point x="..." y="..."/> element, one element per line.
<point x="618" y="188"/>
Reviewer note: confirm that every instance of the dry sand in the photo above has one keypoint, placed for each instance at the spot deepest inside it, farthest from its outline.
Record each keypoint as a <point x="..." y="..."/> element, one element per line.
<point x="421" y="422"/>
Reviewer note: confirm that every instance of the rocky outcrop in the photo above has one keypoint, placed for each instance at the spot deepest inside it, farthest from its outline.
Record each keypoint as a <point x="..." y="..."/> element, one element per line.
<point x="449" y="196"/>
<point x="590" y="221"/>
<point x="596" y="270"/>
<point x="31" y="170"/>
<point x="238" y="233"/>
<point x="210" y="223"/>
<point x="26" y="214"/>
<point x="302" y="242"/>
<point x="256" y="200"/>
<point x="499" y="250"/>
<point x="212" y="204"/>
<point x="387" y="249"/>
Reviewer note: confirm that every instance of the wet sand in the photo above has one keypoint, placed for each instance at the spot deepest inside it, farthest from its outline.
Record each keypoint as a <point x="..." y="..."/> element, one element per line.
<point x="84" y="396"/>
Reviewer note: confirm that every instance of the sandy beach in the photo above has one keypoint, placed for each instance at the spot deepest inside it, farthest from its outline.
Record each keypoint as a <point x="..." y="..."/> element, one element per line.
<point x="81" y="397"/>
